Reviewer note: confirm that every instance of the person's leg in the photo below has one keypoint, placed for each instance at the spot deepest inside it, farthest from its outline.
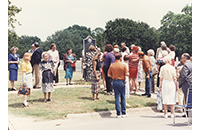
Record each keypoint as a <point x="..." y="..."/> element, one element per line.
<point x="97" y="95"/>
<point x="117" y="94"/>
<point x="131" y="84"/>
<point x="105" y="69"/>
<point x="25" y="101"/>
<point x="37" y="75"/>
<point x="152" y="84"/>
<point x="135" y="84"/>
<point x="12" y="84"/>
<point x="45" y="97"/>
<point x="123" y="99"/>
<point x="104" y="81"/>
<point x="66" y="81"/>
<point x="70" y="81"/>
<point x="49" y="96"/>
<point x="165" y="109"/>
<point x="172" y="109"/>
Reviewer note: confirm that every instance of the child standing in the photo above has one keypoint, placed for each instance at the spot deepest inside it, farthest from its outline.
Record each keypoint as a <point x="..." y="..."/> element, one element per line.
<point x="47" y="76"/>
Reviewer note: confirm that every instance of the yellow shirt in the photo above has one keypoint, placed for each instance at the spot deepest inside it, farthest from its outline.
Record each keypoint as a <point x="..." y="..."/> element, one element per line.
<point x="26" y="66"/>
<point x="167" y="72"/>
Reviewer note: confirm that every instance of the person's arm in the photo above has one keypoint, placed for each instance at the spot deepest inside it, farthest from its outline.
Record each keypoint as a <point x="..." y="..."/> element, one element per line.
<point x="23" y="75"/>
<point x="161" y="79"/>
<point x="94" y="69"/>
<point x="134" y="60"/>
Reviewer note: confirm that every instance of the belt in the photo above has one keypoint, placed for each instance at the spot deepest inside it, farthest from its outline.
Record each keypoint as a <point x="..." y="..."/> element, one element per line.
<point x="28" y="73"/>
<point x="118" y="79"/>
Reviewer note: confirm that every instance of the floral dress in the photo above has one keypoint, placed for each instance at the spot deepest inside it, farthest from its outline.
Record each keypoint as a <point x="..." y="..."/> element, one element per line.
<point x="47" y="76"/>
<point x="89" y="65"/>
<point x="140" y="70"/>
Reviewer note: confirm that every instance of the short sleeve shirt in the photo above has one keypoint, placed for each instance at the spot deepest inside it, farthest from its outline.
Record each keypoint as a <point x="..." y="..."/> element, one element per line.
<point x="131" y="63"/>
<point x="118" y="70"/>
<point x="26" y="66"/>
<point x="167" y="72"/>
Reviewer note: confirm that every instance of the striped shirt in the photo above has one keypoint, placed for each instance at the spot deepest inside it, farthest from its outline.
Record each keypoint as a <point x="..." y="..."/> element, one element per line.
<point x="133" y="64"/>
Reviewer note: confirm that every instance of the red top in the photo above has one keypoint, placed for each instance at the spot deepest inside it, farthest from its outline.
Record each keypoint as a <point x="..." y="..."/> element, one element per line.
<point x="131" y="63"/>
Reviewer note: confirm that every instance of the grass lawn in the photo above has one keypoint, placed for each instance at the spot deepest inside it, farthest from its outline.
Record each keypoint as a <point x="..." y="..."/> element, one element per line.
<point x="67" y="101"/>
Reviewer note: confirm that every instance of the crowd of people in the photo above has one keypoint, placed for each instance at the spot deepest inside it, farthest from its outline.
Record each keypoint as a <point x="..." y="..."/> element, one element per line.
<point x="45" y="71"/>
<point x="121" y="71"/>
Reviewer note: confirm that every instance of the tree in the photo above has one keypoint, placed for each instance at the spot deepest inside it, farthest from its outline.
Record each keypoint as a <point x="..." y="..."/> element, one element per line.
<point x="12" y="11"/>
<point x="25" y="42"/>
<point x="69" y="37"/>
<point x="99" y="35"/>
<point x="12" y="35"/>
<point x="131" y="32"/>
<point x="176" y="29"/>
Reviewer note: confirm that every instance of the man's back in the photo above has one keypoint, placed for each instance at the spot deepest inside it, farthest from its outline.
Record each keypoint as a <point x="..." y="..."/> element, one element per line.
<point x="118" y="70"/>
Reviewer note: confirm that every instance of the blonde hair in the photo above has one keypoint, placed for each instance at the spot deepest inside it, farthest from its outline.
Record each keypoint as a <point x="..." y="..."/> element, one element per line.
<point x="45" y="53"/>
<point x="27" y="56"/>
<point x="92" y="48"/>
<point x="96" y="55"/>
<point x="14" y="48"/>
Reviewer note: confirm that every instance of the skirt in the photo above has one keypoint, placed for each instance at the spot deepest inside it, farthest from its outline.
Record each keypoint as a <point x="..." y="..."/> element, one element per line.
<point x="47" y="81"/>
<point x="13" y="74"/>
<point x="95" y="88"/>
<point x="28" y="79"/>
<point x="133" y="72"/>
<point x="69" y="72"/>
<point x="168" y="92"/>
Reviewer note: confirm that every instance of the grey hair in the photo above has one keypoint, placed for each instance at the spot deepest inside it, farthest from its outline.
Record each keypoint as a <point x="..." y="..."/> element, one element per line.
<point x="167" y="59"/>
<point x="162" y="43"/>
<point x="123" y="43"/>
<point x="45" y="53"/>
<point x="151" y="52"/>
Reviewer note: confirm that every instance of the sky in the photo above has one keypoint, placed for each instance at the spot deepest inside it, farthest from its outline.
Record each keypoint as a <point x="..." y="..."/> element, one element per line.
<point x="43" y="18"/>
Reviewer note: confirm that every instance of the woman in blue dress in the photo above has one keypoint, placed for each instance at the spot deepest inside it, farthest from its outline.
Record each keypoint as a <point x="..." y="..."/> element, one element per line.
<point x="68" y="59"/>
<point x="13" y="60"/>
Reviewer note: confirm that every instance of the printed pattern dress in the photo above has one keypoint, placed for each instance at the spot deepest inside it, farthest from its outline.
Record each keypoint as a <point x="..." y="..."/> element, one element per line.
<point x="47" y="76"/>
<point x="140" y="70"/>
<point x="95" y="88"/>
<point x="89" y="66"/>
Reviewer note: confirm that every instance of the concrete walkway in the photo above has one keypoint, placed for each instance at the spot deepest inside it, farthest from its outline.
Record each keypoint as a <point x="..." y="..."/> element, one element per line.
<point x="138" y="118"/>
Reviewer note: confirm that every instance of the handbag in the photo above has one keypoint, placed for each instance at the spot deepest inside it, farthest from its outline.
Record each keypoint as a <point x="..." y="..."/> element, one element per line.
<point x="24" y="90"/>
<point x="73" y="64"/>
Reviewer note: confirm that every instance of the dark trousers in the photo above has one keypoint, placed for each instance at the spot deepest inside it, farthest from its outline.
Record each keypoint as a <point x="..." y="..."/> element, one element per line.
<point x="108" y="79"/>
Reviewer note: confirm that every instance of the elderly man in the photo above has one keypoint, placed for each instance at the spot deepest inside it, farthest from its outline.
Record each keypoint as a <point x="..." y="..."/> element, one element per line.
<point x="35" y="60"/>
<point x="54" y="56"/>
<point x="146" y="63"/>
<point x="124" y="45"/>
<point x="118" y="71"/>
<point x="185" y="79"/>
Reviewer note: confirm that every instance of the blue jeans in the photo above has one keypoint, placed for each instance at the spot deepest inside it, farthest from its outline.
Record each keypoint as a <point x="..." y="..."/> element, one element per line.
<point x="148" y="84"/>
<point x="119" y="89"/>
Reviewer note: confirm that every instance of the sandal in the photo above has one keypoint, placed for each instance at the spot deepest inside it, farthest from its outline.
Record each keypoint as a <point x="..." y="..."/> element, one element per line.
<point x="93" y="99"/>
<point x="49" y="100"/>
<point x="97" y="98"/>
<point x="70" y="84"/>
<point x="67" y="84"/>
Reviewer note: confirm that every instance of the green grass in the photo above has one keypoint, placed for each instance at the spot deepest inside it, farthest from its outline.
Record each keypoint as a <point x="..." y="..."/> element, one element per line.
<point x="68" y="101"/>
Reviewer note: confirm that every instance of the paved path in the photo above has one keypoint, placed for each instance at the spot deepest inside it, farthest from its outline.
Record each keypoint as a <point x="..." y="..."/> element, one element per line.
<point x="138" y="118"/>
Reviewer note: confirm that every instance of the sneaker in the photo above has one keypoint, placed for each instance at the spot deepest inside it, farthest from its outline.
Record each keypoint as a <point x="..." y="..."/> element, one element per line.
<point x="118" y="116"/>
<point x="123" y="116"/>
<point x="25" y="104"/>
<point x="108" y="93"/>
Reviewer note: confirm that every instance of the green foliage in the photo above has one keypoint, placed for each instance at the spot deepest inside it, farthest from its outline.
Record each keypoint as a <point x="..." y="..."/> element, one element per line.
<point x="131" y="32"/>
<point x="100" y="36"/>
<point x="25" y="43"/>
<point x="12" y="11"/>
<point x="69" y="37"/>
<point x="176" y="29"/>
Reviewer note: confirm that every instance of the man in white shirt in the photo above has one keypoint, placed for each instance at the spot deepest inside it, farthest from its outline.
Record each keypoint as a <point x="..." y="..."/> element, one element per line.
<point x="124" y="45"/>
<point x="54" y="56"/>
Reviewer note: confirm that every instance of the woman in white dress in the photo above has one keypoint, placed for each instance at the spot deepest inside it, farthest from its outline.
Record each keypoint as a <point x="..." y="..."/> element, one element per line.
<point x="168" y="85"/>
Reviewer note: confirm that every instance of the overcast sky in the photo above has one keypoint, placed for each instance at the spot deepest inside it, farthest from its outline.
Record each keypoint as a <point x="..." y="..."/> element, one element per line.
<point x="43" y="17"/>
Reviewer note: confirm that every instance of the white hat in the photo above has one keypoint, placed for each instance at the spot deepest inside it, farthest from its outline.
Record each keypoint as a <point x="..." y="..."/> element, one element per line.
<point x="116" y="50"/>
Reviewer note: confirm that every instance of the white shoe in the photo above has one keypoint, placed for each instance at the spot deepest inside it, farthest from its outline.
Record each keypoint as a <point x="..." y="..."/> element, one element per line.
<point x="123" y="116"/>
<point x="25" y="104"/>
<point x="128" y="105"/>
<point x="118" y="116"/>
<point x="165" y="116"/>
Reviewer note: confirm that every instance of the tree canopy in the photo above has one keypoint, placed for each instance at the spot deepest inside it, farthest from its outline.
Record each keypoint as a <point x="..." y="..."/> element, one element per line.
<point x="131" y="32"/>
<point x="176" y="29"/>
